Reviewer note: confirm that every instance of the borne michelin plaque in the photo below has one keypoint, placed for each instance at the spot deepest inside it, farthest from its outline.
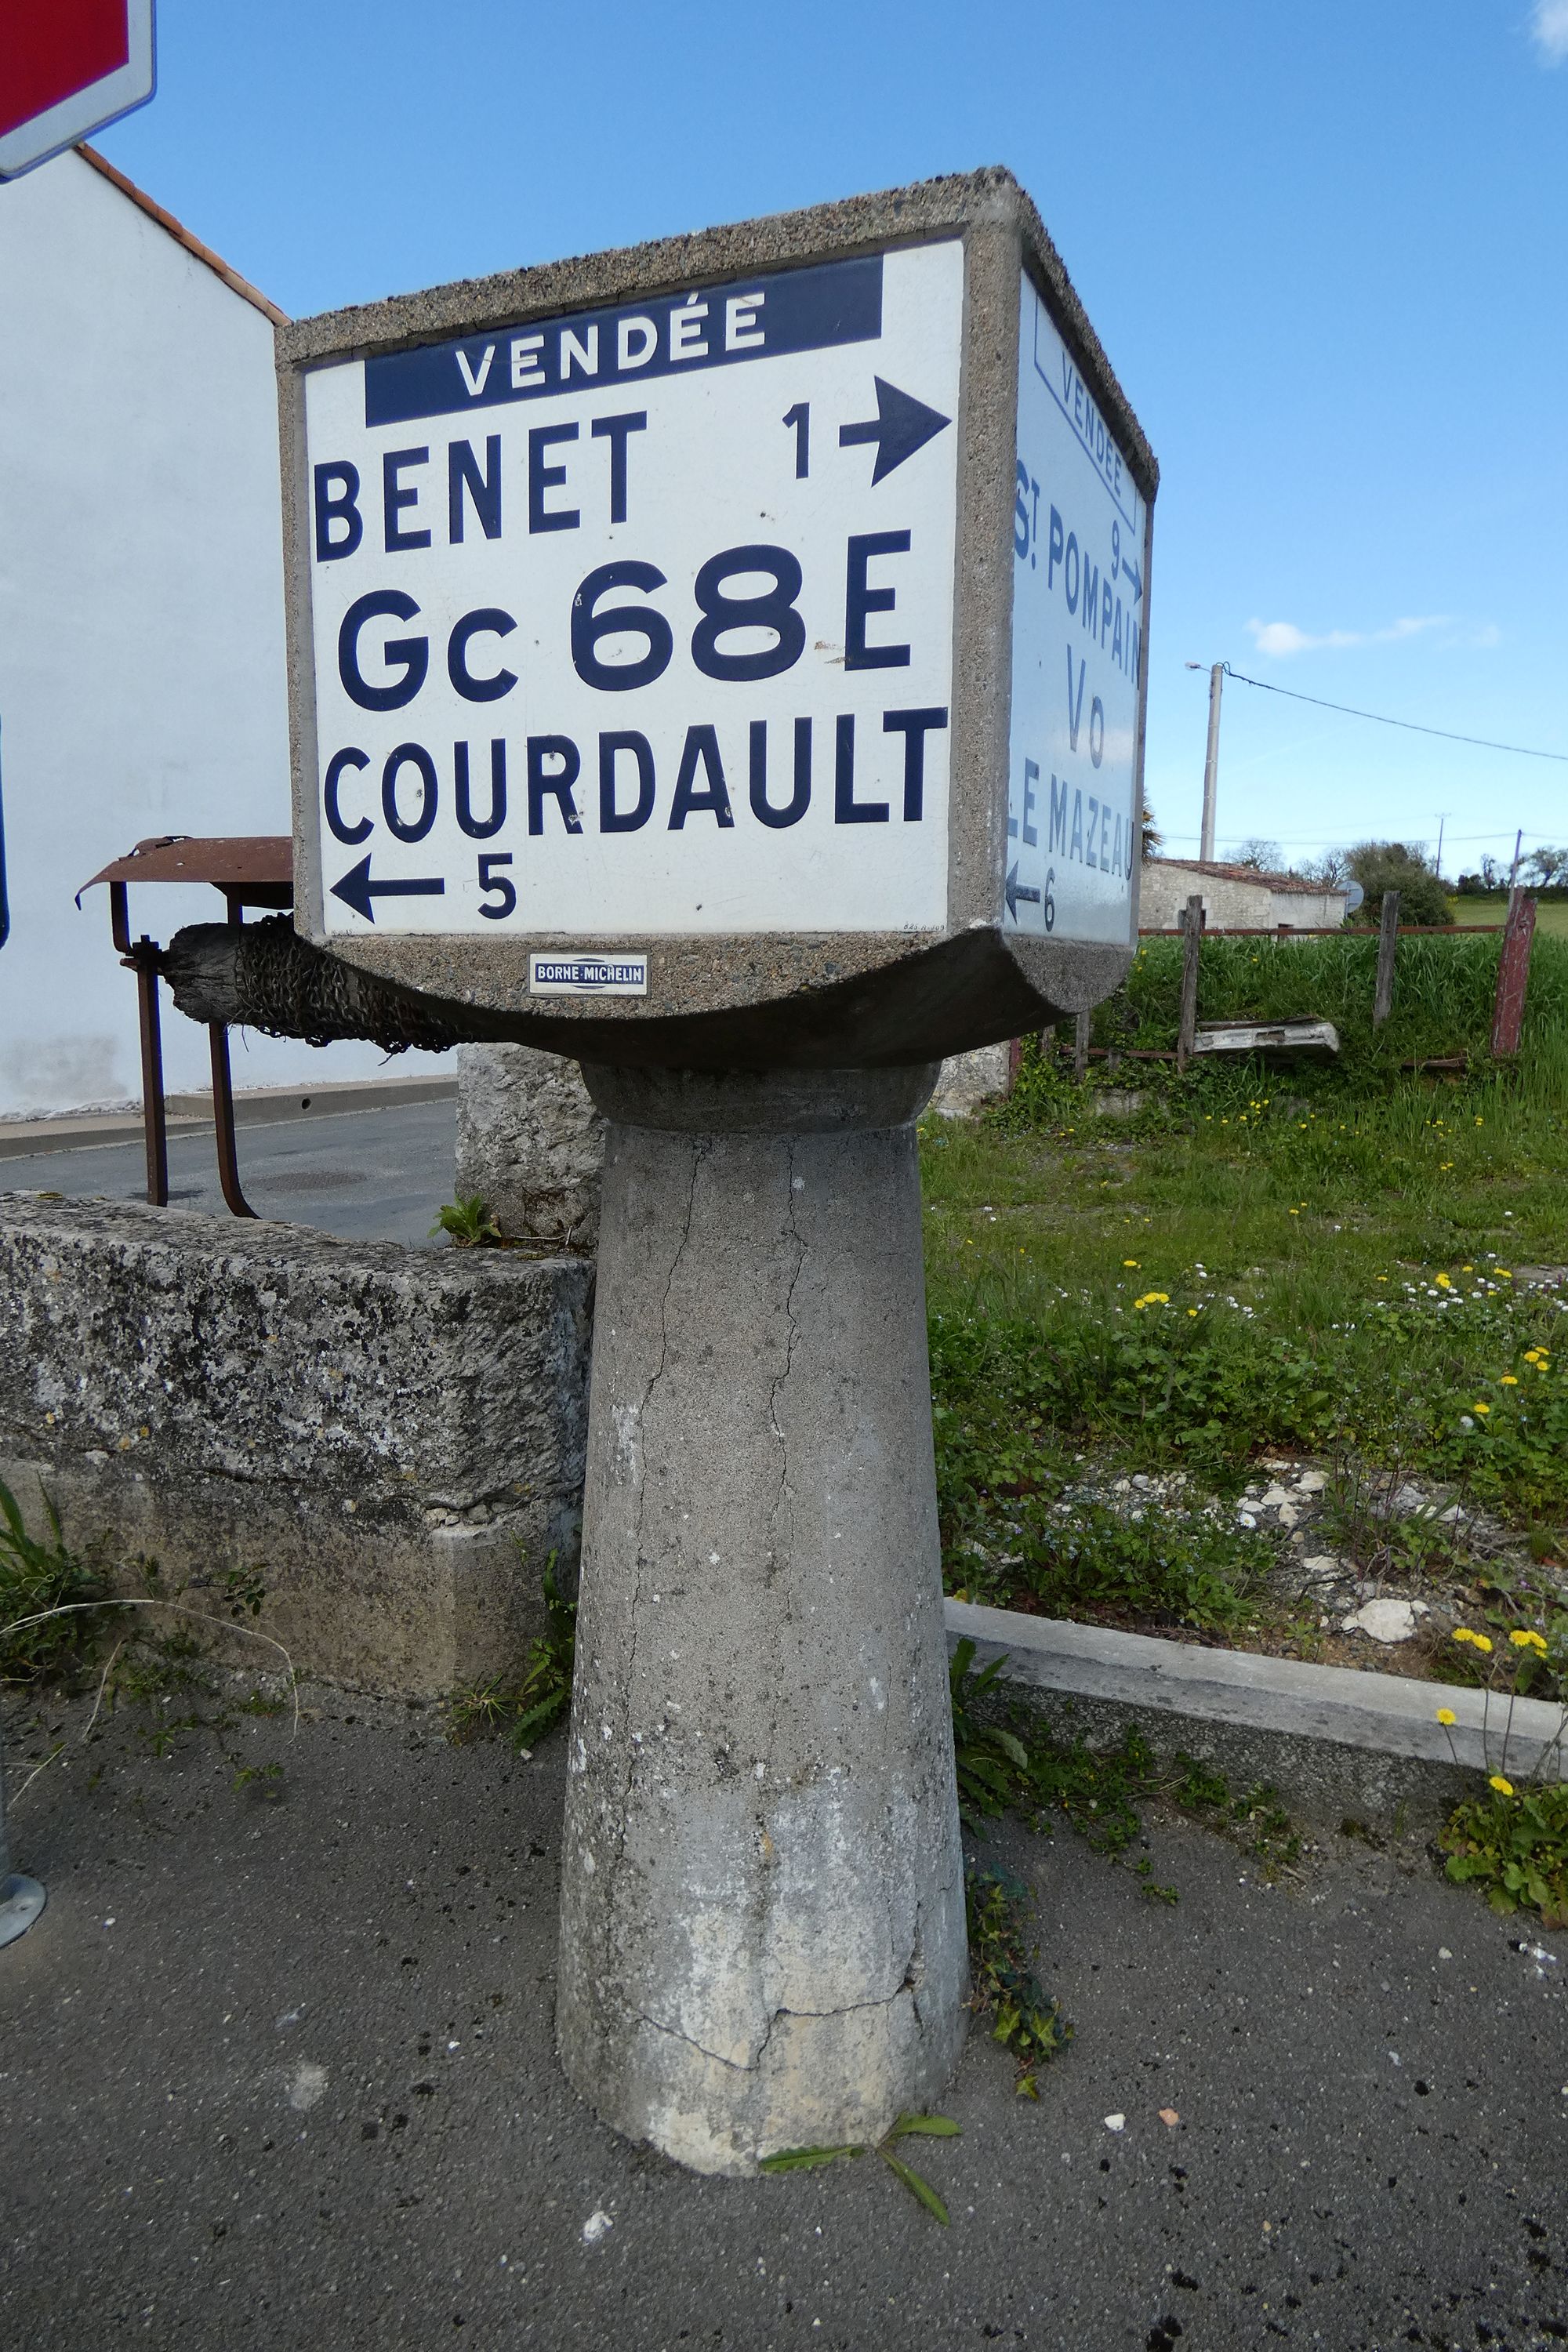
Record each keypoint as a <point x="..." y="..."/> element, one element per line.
<point x="724" y="661"/>
<point x="762" y="612"/>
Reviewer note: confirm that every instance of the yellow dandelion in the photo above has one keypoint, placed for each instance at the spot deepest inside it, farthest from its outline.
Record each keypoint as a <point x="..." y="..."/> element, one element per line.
<point x="1532" y="1355"/>
<point x="1463" y="1633"/>
<point x="1504" y="1787"/>
<point x="1467" y="1269"/>
<point x="1503" y="1275"/>
<point x="1483" y="1641"/>
<point x="1294" y="1213"/>
<point x="1130" y="1261"/>
<point x="1445" y="1716"/>
<point x="1480" y="1408"/>
<point x="1445" y="1282"/>
<point x="1192" y="1310"/>
<point x="1508" y="1380"/>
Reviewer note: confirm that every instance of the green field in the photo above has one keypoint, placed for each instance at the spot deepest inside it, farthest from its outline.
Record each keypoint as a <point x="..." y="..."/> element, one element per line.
<point x="1253" y="1264"/>
<point x="1550" y="914"/>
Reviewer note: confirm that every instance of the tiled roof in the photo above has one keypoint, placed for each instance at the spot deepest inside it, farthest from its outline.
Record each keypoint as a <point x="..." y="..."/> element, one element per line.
<point x="181" y="235"/>
<point x="1276" y="882"/>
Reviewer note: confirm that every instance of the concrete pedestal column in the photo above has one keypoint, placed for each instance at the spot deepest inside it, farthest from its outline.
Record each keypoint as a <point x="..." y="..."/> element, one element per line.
<point x="762" y="1935"/>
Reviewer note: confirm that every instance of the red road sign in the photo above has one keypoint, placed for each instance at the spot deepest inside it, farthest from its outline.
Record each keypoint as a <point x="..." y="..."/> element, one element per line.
<point x="66" y="67"/>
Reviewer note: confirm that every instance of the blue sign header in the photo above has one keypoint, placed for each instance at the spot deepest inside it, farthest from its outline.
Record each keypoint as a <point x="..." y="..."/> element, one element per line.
<point x="713" y="326"/>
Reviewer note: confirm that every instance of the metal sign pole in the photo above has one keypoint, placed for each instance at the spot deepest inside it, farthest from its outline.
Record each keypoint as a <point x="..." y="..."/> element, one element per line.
<point x="21" y="1899"/>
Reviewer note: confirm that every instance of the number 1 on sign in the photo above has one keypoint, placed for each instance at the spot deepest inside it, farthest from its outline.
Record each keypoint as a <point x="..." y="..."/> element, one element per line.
<point x="799" y="416"/>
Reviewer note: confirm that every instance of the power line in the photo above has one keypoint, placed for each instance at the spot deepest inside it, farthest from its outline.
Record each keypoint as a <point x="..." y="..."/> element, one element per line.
<point x="1323" y="840"/>
<point x="1411" y="725"/>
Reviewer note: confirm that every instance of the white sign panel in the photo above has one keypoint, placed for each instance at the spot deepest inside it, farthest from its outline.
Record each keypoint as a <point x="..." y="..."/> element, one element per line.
<point x="640" y="621"/>
<point x="1079" y="540"/>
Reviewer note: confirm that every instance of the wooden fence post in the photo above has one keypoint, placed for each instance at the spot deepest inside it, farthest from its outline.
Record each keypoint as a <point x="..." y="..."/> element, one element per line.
<point x="1513" y="972"/>
<point x="1187" y="1030"/>
<point x="1382" y="995"/>
<point x="1080" y="1047"/>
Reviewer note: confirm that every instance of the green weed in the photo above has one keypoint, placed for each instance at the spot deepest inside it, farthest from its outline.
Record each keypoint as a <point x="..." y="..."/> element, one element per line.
<point x="39" y="1574"/>
<point x="526" y="1709"/>
<point x="1003" y="1985"/>
<point x="1514" y="1845"/>
<point x="1018" y="1765"/>
<point x="808" y="2159"/>
<point x="469" y="1223"/>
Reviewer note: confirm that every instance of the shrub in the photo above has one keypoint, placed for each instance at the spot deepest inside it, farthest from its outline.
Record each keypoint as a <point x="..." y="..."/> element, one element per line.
<point x="1383" y="866"/>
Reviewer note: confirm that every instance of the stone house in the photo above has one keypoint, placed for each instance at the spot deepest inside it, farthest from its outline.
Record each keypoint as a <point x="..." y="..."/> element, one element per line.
<point x="1236" y="897"/>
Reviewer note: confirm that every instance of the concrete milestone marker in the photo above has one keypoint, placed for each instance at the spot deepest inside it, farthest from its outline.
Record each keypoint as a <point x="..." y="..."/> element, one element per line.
<point x="723" y="661"/>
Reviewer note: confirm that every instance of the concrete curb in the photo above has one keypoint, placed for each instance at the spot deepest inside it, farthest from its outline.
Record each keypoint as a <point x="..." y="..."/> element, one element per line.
<point x="1340" y="1707"/>
<point x="191" y="1114"/>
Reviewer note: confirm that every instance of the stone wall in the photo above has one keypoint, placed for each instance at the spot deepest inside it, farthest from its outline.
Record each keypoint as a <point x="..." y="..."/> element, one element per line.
<point x="393" y="1438"/>
<point x="530" y="1142"/>
<point x="968" y="1081"/>
<point x="531" y="1145"/>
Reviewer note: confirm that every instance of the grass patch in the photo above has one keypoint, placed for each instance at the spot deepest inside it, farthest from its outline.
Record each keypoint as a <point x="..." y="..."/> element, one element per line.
<point x="61" y="1627"/>
<point x="1009" y="1760"/>
<point x="1245" y="1271"/>
<point x="1444" y="991"/>
<point x="39" y="1574"/>
<point x="1491" y="907"/>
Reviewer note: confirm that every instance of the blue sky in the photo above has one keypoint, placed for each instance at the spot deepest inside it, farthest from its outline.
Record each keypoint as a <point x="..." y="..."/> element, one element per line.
<point x="1324" y="249"/>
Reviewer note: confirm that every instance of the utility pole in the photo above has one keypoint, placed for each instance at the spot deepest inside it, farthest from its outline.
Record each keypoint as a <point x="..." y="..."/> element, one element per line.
<point x="1211" y="763"/>
<point x="1442" y="821"/>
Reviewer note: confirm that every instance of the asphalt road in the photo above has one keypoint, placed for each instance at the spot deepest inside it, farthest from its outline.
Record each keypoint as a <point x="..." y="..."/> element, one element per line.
<point x="378" y="1175"/>
<point x="282" y="2074"/>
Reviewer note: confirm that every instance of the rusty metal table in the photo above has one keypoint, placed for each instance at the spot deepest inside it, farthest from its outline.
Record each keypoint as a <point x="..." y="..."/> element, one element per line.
<point x="251" y="870"/>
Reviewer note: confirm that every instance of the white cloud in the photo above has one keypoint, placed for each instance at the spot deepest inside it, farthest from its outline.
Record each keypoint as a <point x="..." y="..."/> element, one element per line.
<point x="1283" y="638"/>
<point x="1548" y="25"/>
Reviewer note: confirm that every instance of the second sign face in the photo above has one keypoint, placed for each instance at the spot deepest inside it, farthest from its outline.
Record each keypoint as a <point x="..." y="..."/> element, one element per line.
<point x="641" y="621"/>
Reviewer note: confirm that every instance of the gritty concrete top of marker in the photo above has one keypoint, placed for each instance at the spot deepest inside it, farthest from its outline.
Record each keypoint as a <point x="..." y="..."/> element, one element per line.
<point x="957" y="201"/>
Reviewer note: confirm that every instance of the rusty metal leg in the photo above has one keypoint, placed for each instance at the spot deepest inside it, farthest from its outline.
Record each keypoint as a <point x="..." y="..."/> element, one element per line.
<point x="152" y="1115"/>
<point x="223" y="1121"/>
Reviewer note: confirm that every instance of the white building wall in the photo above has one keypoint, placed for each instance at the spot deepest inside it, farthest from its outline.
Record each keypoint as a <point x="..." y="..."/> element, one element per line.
<point x="142" y="662"/>
<point x="1231" y="904"/>
<point x="1164" y="888"/>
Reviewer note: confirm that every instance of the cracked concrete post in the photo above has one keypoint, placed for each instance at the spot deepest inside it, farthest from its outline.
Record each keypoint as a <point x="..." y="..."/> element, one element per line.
<point x="763" y="1932"/>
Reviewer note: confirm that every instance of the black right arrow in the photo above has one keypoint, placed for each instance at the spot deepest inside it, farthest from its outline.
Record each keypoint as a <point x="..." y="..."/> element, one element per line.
<point x="901" y="426"/>
<point x="357" y="890"/>
<point x="1011" y="889"/>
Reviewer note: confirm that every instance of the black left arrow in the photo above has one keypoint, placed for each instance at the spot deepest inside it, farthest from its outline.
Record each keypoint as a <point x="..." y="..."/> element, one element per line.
<point x="1011" y="891"/>
<point x="901" y="426"/>
<point x="357" y="890"/>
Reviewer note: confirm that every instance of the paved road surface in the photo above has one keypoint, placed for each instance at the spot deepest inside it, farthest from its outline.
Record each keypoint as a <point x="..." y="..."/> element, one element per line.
<point x="282" y="2076"/>
<point x="376" y="1175"/>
